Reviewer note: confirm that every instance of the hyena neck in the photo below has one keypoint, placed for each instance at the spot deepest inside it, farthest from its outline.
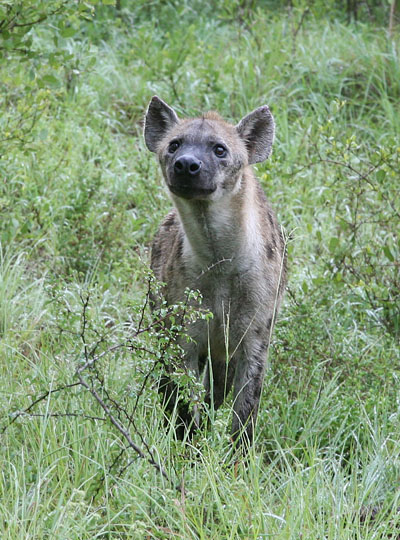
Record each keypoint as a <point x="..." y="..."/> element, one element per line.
<point x="223" y="234"/>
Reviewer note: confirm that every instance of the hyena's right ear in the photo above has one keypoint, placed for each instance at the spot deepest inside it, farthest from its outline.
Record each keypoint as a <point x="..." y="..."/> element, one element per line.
<point x="159" y="119"/>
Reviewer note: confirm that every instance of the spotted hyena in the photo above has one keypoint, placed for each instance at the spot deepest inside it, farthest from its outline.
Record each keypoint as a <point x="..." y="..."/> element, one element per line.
<point x="221" y="238"/>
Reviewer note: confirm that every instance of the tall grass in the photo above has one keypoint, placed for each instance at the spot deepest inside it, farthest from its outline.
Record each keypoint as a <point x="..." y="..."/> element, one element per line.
<point x="80" y="202"/>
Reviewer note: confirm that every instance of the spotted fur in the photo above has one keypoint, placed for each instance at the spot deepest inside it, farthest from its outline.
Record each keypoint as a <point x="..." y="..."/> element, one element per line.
<point x="222" y="238"/>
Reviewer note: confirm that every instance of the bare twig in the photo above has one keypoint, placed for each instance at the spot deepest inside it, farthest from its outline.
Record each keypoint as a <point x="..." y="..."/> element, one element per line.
<point x="36" y="401"/>
<point x="64" y="415"/>
<point x="296" y="30"/>
<point x="120" y="428"/>
<point x="116" y="412"/>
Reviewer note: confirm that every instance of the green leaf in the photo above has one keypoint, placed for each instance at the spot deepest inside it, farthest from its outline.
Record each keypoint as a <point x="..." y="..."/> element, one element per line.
<point x="333" y="244"/>
<point x="92" y="61"/>
<point x="43" y="133"/>
<point x="49" y="80"/>
<point x="388" y="253"/>
<point x="380" y="175"/>
<point x="68" y="32"/>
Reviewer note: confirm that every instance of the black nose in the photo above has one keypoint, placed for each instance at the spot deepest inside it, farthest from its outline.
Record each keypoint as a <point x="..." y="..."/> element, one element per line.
<point x="187" y="165"/>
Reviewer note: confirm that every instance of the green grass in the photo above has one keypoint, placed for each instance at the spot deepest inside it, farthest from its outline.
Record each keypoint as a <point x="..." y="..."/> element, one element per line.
<point x="80" y="200"/>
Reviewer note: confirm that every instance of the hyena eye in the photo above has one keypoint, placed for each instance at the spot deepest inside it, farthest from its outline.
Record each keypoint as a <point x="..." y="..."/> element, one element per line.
<point x="173" y="147"/>
<point x="220" y="151"/>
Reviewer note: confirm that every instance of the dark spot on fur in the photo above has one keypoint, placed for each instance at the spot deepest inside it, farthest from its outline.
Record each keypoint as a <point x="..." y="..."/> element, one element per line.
<point x="271" y="219"/>
<point x="202" y="362"/>
<point x="262" y="330"/>
<point x="179" y="247"/>
<point x="155" y="252"/>
<point x="282" y="286"/>
<point x="169" y="220"/>
<point x="270" y="251"/>
<point x="263" y="346"/>
<point x="281" y="241"/>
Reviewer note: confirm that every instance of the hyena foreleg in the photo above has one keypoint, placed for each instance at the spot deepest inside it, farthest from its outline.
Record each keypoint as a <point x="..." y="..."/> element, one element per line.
<point x="174" y="398"/>
<point x="248" y="384"/>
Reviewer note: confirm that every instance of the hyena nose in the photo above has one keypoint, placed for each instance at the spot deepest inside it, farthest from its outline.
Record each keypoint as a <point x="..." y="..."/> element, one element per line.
<point x="187" y="165"/>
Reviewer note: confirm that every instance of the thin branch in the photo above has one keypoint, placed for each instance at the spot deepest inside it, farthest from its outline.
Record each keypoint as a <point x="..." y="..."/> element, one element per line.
<point x="63" y="415"/>
<point x="36" y="401"/>
<point x="297" y="29"/>
<point x="121" y="429"/>
<point x="391" y="18"/>
<point x="39" y="20"/>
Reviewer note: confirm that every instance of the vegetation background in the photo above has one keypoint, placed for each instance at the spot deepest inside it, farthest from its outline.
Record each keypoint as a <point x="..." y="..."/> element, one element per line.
<point x="85" y="452"/>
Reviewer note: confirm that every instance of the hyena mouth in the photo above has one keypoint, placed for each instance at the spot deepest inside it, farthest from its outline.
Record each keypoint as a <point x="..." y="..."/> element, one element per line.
<point x="190" y="192"/>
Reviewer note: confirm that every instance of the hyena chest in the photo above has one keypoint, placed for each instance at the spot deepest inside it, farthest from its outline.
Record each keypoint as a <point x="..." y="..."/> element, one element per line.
<point x="231" y="300"/>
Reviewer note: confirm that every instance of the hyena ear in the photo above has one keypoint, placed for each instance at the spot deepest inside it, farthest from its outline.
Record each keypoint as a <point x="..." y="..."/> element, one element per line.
<point x="257" y="129"/>
<point x="159" y="119"/>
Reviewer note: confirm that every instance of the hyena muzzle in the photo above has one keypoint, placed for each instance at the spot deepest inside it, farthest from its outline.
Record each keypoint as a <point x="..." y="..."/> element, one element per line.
<point x="222" y="238"/>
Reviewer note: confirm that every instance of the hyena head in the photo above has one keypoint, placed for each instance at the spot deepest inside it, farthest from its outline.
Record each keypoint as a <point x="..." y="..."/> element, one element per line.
<point x="203" y="158"/>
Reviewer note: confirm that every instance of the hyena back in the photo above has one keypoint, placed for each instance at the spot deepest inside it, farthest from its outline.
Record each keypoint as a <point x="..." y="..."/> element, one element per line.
<point x="223" y="239"/>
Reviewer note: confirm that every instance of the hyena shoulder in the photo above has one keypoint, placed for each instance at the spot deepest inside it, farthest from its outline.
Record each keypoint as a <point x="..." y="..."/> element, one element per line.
<point x="166" y="255"/>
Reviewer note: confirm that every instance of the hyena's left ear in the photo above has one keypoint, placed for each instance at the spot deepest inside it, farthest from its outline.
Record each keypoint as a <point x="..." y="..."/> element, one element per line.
<point x="257" y="129"/>
<point x="160" y="117"/>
